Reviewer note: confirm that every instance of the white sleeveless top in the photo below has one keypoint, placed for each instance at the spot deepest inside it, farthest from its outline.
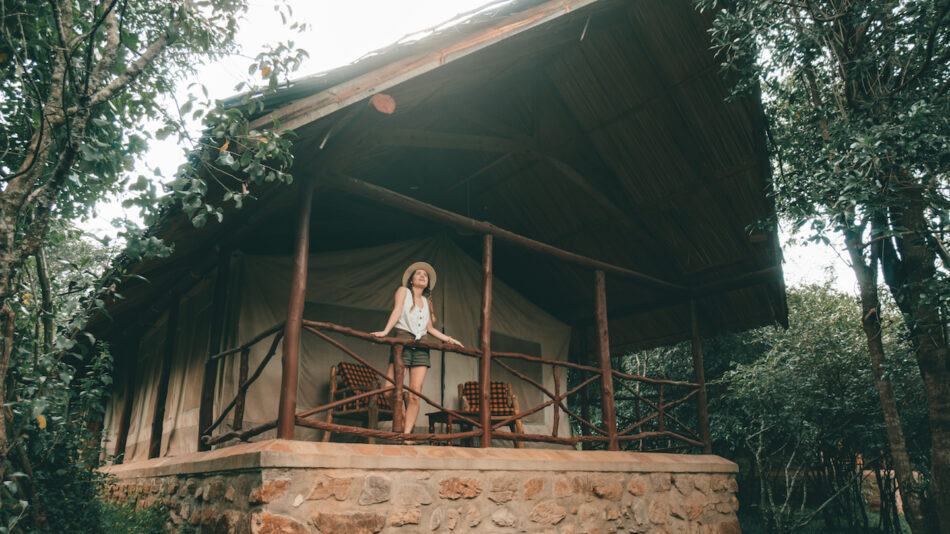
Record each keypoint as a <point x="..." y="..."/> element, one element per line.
<point x="413" y="319"/>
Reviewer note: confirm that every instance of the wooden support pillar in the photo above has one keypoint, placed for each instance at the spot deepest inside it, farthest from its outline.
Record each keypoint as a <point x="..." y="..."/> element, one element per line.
<point x="218" y="311"/>
<point x="484" y="343"/>
<point x="125" y="419"/>
<point x="700" y="375"/>
<point x="603" y="356"/>
<point x="287" y="405"/>
<point x="161" y="394"/>
<point x="399" y="378"/>
<point x="242" y="394"/>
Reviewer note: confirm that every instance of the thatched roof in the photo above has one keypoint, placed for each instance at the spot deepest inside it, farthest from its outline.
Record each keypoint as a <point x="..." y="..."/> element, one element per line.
<point x="597" y="126"/>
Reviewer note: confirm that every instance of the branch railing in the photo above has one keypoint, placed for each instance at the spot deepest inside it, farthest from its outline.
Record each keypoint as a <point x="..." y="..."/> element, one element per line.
<point x="653" y="425"/>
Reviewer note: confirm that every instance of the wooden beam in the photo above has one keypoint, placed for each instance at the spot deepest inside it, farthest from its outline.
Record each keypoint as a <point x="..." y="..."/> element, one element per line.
<point x="699" y="373"/>
<point x="603" y="354"/>
<point x="306" y="110"/>
<point x="422" y="209"/>
<point x="287" y="404"/>
<point x="484" y="344"/>
<point x="161" y="393"/>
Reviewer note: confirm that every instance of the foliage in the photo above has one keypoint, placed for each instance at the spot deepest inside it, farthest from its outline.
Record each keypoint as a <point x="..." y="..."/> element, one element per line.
<point x="799" y="402"/>
<point x="81" y="80"/>
<point x="856" y="97"/>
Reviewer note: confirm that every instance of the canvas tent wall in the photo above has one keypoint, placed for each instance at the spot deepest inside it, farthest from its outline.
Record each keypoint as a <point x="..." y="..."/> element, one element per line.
<point x="353" y="288"/>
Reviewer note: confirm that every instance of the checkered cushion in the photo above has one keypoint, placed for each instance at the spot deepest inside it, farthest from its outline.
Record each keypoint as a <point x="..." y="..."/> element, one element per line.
<point x="359" y="378"/>
<point x="500" y="393"/>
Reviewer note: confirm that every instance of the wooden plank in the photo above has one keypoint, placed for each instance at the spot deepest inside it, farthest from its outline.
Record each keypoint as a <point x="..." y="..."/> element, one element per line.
<point x="484" y="344"/>
<point x="242" y="395"/>
<point x="287" y="404"/>
<point x="161" y="394"/>
<point x="422" y="209"/>
<point x="603" y="354"/>
<point x="399" y="379"/>
<point x="699" y="373"/>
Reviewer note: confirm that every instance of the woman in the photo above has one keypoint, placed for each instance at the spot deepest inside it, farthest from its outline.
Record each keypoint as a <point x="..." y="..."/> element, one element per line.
<point x="412" y="318"/>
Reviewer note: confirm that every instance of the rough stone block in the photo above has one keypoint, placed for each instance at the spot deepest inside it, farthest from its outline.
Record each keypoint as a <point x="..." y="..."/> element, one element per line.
<point x="325" y="486"/>
<point x="533" y="487"/>
<point x="413" y="494"/>
<point x="504" y="518"/>
<point x="472" y="516"/>
<point x="349" y="523"/>
<point x="659" y="512"/>
<point x="269" y="491"/>
<point x="459" y="488"/>
<point x="702" y="484"/>
<point x="547" y="513"/>
<point x="637" y="485"/>
<point x="376" y="489"/>
<point x="435" y="520"/>
<point x="503" y="489"/>
<point x="405" y="516"/>
<point x="608" y="489"/>
<point x="661" y="482"/>
<point x="562" y="488"/>
<point x="683" y="483"/>
<point x="452" y="518"/>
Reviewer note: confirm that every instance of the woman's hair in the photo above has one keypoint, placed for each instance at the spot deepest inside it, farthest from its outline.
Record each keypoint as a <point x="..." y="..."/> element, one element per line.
<point x="425" y="292"/>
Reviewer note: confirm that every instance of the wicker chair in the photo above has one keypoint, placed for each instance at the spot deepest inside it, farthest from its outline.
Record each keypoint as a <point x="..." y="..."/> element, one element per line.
<point x="349" y="379"/>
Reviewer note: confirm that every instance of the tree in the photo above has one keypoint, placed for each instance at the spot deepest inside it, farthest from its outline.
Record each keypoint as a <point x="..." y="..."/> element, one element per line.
<point x="79" y="80"/>
<point x="856" y="97"/>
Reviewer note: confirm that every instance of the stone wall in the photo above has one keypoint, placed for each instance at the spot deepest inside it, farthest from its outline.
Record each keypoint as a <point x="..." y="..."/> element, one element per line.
<point x="412" y="489"/>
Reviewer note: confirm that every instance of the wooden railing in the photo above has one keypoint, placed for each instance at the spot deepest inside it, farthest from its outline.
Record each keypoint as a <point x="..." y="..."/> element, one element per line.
<point x="652" y="426"/>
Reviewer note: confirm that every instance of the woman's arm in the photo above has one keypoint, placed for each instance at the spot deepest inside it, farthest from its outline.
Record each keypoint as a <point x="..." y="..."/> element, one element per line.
<point x="434" y="332"/>
<point x="398" y="301"/>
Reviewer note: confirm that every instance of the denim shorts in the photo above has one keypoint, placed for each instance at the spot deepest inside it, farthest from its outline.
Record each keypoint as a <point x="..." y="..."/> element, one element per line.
<point x="411" y="357"/>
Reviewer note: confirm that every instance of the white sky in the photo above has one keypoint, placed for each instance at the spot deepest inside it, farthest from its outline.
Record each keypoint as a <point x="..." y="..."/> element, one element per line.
<point x="343" y="31"/>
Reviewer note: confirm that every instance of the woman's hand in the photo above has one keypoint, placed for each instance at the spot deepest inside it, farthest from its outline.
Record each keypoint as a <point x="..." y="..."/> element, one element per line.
<point x="452" y="341"/>
<point x="381" y="333"/>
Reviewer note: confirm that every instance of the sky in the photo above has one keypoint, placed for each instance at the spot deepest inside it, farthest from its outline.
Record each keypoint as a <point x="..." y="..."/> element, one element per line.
<point x="342" y="32"/>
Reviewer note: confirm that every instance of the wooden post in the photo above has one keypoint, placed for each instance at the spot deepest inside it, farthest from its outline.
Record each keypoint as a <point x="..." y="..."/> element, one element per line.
<point x="242" y="395"/>
<point x="125" y="419"/>
<point x="603" y="355"/>
<point x="287" y="405"/>
<point x="660" y="420"/>
<point x="218" y="311"/>
<point x="484" y="343"/>
<point x="399" y="378"/>
<point x="158" y="413"/>
<point x="700" y="374"/>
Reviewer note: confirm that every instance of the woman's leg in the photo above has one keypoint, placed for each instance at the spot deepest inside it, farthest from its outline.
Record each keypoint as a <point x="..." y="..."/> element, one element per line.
<point x="417" y="375"/>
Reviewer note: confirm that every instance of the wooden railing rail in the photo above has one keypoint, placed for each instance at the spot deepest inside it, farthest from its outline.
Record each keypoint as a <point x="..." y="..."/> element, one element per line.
<point x="556" y="398"/>
<point x="242" y="389"/>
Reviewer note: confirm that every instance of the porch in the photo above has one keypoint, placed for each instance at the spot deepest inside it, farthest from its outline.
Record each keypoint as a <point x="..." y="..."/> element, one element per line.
<point x="294" y="486"/>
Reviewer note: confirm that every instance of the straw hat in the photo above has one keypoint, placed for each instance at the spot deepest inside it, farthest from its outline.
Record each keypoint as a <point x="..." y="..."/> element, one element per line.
<point x="415" y="267"/>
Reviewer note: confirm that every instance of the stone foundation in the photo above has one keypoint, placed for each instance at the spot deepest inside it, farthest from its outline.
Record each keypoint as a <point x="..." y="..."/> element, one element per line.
<point x="329" y="488"/>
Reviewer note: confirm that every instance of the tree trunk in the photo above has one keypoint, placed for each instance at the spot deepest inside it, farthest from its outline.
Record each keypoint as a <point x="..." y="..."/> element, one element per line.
<point x="913" y="498"/>
<point x="42" y="272"/>
<point x="910" y="278"/>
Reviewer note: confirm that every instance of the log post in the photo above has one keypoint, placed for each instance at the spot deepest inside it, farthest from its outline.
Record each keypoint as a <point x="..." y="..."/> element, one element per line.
<point x="701" y="400"/>
<point x="125" y="419"/>
<point x="287" y="406"/>
<point x="661" y="411"/>
<point x="484" y="343"/>
<point x="242" y="394"/>
<point x="399" y="378"/>
<point x="603" y="355"/>
<point x="158" y="413"/>
<point x="218" y="311"/>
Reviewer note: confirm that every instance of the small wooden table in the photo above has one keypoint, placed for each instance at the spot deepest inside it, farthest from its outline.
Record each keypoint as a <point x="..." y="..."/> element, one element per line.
<point x="450" y="420"/>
